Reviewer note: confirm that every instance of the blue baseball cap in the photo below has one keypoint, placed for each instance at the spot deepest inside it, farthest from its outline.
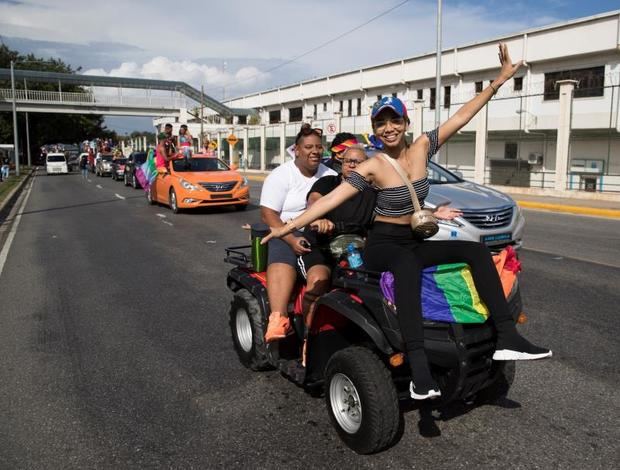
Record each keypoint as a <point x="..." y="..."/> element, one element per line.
<point x="394" y="104"/>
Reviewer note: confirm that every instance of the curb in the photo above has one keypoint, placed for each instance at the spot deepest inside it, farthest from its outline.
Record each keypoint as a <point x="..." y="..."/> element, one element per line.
<point x="17" y="188"/>
<point x="609" y="213"/>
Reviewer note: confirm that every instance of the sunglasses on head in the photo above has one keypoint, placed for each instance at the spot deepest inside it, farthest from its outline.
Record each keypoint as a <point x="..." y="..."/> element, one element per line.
<point x="307" y="130"/>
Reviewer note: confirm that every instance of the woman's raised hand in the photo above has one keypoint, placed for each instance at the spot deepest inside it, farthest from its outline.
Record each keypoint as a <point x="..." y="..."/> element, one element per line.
<point x="508" y="68"/>
<point x="447" y="213"/>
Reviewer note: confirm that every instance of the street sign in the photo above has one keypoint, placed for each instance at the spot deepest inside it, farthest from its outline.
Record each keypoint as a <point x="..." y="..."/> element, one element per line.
<point x="330" y="129"/>
<point x="232" y="139"/>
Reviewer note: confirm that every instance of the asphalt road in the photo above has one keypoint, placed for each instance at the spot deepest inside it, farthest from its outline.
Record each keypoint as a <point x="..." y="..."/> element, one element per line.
<point x="115" y="350"/>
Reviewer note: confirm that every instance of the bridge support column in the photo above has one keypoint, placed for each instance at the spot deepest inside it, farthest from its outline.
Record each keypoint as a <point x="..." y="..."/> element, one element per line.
<point x="144" y="143"/>
<point x="567" y="88"/>
<point x="282" y="143"/>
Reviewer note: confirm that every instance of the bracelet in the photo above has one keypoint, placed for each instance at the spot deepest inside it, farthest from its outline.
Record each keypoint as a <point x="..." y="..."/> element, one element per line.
<point x="493" y="88"/>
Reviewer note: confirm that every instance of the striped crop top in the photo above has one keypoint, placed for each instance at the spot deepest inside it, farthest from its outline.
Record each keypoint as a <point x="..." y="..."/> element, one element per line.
<point x="396" y="201"/>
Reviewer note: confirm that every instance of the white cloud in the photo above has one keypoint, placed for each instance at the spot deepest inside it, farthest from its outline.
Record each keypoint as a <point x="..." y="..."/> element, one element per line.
<point x="163" y="68"/>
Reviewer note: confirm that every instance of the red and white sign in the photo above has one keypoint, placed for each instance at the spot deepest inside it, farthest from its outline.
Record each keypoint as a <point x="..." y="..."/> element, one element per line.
<point x="331" y="129"/>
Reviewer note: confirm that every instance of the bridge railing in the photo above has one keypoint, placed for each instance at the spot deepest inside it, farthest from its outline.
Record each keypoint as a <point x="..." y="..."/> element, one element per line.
<point x="87" y="98"/>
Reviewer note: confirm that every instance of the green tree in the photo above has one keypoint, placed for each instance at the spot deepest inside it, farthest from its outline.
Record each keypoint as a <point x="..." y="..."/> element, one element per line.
<point x="47" y="128"/>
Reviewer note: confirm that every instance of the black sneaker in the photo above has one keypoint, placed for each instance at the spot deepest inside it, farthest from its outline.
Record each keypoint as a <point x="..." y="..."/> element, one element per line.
<point x="423" y="393"/>
<point x="519" y="349"/>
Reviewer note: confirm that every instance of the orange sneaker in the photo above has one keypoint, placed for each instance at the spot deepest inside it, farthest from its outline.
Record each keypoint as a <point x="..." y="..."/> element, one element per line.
<point x="277" y="328"/>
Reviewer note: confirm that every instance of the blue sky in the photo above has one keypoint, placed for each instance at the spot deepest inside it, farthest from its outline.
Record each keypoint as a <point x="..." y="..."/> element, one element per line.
<point x="192" y="40"/>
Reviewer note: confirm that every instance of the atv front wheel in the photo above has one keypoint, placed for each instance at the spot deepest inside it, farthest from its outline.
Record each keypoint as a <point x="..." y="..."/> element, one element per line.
<point x="361" y="400"/>
<point x="247" y="325"/>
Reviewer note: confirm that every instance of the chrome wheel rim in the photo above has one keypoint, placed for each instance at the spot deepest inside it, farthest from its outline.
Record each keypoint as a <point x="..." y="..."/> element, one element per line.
<point x="148" y="195"/>
<point x="173" y="201"/>
<point x="345" y="403"/>
<point x="244" y="330"/>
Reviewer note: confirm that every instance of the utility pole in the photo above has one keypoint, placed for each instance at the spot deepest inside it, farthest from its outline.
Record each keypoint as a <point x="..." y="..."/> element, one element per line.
<point x="438" y="67"/>
<point x="15" y="143"/>
<point x="202" y="117"/>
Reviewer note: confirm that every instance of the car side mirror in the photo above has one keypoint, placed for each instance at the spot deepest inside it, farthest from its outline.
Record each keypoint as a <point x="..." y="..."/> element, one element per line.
<point x="234" y="167"/>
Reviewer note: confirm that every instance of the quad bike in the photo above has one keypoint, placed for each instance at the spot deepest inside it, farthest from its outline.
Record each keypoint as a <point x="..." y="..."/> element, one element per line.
<point x="354" y="351"/>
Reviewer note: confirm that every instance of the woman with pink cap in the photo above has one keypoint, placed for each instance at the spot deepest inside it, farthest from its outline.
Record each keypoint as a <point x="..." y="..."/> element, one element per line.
<point x="392" y="244"/>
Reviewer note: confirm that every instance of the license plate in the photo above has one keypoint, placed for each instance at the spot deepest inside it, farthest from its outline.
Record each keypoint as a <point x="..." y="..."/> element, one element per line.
<point x="496" y="238"/>
<point x="221" y="196"/>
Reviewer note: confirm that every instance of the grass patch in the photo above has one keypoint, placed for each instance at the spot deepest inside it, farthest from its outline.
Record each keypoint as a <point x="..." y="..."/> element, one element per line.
<point x="6" y="186"/>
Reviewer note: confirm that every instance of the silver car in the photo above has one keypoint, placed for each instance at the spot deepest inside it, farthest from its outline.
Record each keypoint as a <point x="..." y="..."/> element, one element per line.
<point x="489" y="216"/>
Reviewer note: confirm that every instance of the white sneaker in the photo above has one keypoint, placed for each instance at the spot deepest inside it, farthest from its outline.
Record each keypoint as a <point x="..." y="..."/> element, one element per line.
<point x="432" y="393"/>
<point x="510" y="355"/>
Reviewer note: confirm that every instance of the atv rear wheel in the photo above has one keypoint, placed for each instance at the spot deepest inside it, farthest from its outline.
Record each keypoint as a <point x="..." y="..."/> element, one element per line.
<point x="361" y="400"/>
<point x="248" y="325"/>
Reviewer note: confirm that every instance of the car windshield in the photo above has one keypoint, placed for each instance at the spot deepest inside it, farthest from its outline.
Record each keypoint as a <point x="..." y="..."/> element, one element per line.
<point x="139" y="158"/>
<point x="439" y="175"/>
<point x="55" y="158"/>
<point x="120" y="161"/>
<point x="199" y="164"/>
<point x="107" y="158"/>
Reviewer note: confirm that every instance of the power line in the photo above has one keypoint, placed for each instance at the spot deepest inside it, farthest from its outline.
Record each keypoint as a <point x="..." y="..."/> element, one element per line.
<point x="320" y="46"/>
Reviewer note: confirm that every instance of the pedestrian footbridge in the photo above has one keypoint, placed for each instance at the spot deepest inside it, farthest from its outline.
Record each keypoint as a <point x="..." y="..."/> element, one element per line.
<point x="114" y="96"/>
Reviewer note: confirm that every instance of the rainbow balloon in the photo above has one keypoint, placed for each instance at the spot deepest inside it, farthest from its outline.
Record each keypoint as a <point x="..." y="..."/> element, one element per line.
<point x="448" y="294"/>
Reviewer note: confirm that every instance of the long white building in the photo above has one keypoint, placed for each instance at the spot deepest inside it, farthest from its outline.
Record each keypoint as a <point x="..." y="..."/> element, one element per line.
<point x="554" y="127"/>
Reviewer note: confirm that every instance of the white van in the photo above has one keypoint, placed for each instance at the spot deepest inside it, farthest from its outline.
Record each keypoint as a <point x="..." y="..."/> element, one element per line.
<point x="56" y="163"/>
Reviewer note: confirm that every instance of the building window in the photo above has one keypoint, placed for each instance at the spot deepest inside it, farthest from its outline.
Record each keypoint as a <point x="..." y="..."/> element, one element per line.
<point x="349" y="107"/>
<point x="295" y="114"/>
<point x="359" y="106"/>
<point x="324" y="107"/>
<point x="379" y="97"/>
<point x="518" y="84"/>
<point x="340" y="108"/>
<point x="314" y="111"/>
<point x="242" y="119"/>
<point x="395" y="95"/>
<point x="446" y="96"/>
<point x="510" y="150"/>
<point x="420" y="94"/>
<point x="274" y="117"/>
<point x="479" y="87"/>
<point x="591" y="82"/>
<point x="432" y="98"/>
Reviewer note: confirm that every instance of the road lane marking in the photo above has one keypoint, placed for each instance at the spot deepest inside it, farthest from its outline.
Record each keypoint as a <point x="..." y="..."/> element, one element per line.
<point x="168" y="223"/>
<point x="161" y="215"/>
<point x="119" y="196"/>
<point x="99" y="186"/>
<point x="9" y="240"/>
<point x="89" y="180"/>
<point x="557" y="257"/>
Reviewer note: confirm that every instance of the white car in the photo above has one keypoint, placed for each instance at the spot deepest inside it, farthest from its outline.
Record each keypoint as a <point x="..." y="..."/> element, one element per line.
<point x="56" y="163"/>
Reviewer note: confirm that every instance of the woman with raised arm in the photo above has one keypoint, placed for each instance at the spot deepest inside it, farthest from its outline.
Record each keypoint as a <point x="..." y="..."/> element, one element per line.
<point x="392" y="245"/>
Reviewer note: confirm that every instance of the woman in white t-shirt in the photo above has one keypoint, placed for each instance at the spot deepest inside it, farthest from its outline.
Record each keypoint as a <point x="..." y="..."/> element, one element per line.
<point x="283" y="198"/>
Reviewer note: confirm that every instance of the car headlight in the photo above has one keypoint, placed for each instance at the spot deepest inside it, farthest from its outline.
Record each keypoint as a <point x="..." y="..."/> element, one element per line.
<point x="244" y="182"/>
<point x="189" y="186"/>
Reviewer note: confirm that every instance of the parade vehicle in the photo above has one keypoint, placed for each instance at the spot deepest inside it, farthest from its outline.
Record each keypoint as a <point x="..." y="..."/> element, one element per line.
<point x="103" y="165"/>
<point x="56" y="163"/>
<point x="354" y="354"/>
<point x="118" y="169"/>
<point x="134" y="161"/>
<point x="199" y="181"/>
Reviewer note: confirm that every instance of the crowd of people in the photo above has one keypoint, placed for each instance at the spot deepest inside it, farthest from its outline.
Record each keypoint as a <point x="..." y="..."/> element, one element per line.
<point x="303" y="201"/>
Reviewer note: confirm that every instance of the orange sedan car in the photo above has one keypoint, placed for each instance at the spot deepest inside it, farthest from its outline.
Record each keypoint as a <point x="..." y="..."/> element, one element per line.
<point x="200" y="181"/>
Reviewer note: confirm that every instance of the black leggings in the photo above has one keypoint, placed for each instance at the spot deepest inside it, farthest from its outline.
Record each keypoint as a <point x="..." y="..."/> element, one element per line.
<point x="392" y="247"/>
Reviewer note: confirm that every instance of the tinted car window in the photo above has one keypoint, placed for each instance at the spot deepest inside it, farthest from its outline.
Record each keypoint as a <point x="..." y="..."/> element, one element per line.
<point x="55" y="158"/>
<point x="439" y="175"/>
<point x="120" y="161"/>
<point x="107" y="158"/>
<point x="199" y="164"/>
<point x="139" y="158"/>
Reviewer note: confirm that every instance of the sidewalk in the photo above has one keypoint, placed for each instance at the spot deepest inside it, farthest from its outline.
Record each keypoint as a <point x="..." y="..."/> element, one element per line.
<point x="571" y="205"/>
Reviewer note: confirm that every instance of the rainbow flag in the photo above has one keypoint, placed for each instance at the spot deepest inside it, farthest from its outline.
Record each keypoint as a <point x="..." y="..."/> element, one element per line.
<point x="147" y="172"/>
<point x="448" y="294"/>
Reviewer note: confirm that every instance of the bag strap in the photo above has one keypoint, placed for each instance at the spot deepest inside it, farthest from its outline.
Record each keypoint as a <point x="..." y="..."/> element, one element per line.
<point x="405" y="178"/>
